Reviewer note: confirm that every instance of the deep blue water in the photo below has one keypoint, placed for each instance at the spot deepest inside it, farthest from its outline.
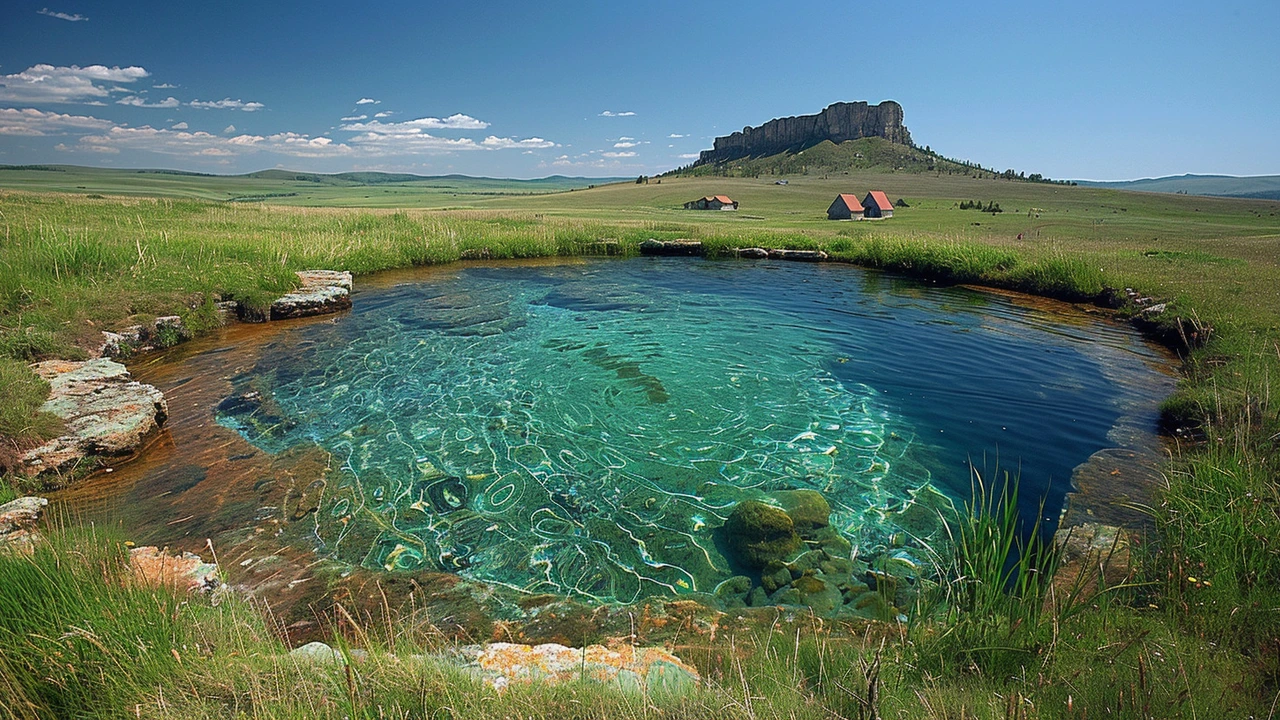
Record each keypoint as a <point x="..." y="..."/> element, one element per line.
<point x="582" y="428"/>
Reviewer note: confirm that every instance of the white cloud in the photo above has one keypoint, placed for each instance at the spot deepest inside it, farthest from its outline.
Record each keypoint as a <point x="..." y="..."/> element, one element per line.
<point x="384" y="114"/>
<point x="164" y="86"/>
<point x="229" y="129"/>
<point x="137" y="101"/>
<point x="610" y="113"/>
<point x="355" y="118"/>
<point x="183" y="143"/>
<point x="226" y="104"/>
<point x="688" y="156"/>
<point x="675" y="135"/>
<point x="35" y="123"/>
<point x="627" y="144"/>
<point x="59" y="84"/>
<point x="627" y="154"/>
<point x="179" y="126"/>
<point x="414" y="127"/>
<point x="498" y="143"/>
<point x="63" y="16"/>
<point x="624" y="138"/>
<point x="368" y="101"/>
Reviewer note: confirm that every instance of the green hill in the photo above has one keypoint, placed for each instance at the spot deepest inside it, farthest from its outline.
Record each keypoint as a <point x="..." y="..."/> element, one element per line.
<point x="829" y="158"/>
<point x="1262" y="187"/>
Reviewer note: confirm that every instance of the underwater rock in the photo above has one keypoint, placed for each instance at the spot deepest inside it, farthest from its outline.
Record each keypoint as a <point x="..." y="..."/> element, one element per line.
<point x="185" y="572"/>
<point x="1091" y="555"/>
<point x="18" y="520"/>
<point x="447" y="495"/>
<point x="757" y="534"/>
<point x="671" y="247"/>
<point x="808" y="509"/>
<point x="831" y="541"/>
<point x="631" y="669"/>
<point x="732" y="593"/>
<point x="320" y="292"/>
<point x="106" y="412"/>
<point x="823" y="597"/>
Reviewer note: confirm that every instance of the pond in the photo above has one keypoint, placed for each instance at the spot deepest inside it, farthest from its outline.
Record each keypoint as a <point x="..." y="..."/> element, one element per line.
<point x="584" y="428"/>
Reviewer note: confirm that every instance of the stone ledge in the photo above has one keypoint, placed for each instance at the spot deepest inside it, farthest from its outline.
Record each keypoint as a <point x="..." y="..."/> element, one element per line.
<point x="686" y="248"/>
<point x="320" y="292"/>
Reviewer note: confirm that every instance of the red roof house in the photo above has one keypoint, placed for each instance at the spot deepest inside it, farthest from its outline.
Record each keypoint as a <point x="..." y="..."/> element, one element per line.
<point x="845" y="207"/>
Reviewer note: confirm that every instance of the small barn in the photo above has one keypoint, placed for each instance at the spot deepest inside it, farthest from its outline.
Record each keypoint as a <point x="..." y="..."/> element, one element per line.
<point x="712" y="202"/>
<point x="876" y="205"/>
<point x="845" y="207"/>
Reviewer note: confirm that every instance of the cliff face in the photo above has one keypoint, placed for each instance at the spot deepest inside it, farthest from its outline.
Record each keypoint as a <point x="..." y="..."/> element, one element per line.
<point x="837" y="123"/>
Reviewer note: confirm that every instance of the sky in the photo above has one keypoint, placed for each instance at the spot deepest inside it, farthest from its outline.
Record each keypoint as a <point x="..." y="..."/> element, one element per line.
<point x="1082" y="90"/>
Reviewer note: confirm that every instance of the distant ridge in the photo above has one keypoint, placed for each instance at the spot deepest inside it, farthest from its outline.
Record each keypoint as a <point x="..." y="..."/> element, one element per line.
<point x="1258" y="187"/>
<point x="351" y="178"/>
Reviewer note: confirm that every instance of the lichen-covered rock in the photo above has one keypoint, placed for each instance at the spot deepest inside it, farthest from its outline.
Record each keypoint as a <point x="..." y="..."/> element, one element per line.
<point x="183" y="572"/>
<point x="756" y="534"/>
<point x="164" y="331"/>
<point x="630" y="668"/>
<point x="671" y="247"/>
<point x="753" y="253"/>
<point x="319" y="292"/>
<point x="18" y="520"/>
<point x="106" y="412"/>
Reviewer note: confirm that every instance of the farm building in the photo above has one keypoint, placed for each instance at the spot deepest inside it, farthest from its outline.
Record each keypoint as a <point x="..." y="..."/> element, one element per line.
<point x="845" y="207"/>
<point x="876" y="205"/>
<point x="712" y="202"/>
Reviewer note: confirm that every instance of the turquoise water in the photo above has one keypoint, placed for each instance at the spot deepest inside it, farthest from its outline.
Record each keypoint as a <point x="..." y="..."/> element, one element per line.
<point x="583" y="428"/>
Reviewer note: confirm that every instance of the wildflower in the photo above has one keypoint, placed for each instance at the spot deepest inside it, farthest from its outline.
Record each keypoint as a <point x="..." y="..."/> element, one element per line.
<point x="1191" y="579"/>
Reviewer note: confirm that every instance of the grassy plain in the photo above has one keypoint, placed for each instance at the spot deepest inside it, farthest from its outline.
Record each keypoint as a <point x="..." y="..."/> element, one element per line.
<point x="1198" y="634"/>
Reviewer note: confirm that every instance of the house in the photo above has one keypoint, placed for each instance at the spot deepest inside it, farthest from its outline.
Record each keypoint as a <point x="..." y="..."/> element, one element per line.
<point x="845" y="207"/>
<point x="876" y="205"/>
<point x="712" y="202"/>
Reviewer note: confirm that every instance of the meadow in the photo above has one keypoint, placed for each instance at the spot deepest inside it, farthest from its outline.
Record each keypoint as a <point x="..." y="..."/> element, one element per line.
<point x="1197" y="632"/>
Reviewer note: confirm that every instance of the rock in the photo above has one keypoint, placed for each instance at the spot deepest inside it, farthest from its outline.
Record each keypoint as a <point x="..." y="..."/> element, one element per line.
<point x="1091" y="555"/>
<point x="316" y="652"/>
<point x="753" y="253"/>
<point x="671" y="247"/>
<point x="808" y="509"/>
<point x="630" y="668"/>
<point x="776" y="576"/>
<point x="756" y="534"/>
<point x="831" y="541"/>
<point x="732" y="593"/>
<point x="837" y="123"/>
<point x="228" y="310"/>
<point x="320" y="292"/>
<point x="822" y="597"/>
<point x="106" y="412"/>
<point x="164" y="331"/>
<point x="18" y="520"/>
<point x="185" y="572"/>
<point x="1156" y="309"/>
<point x="800" y="255"/>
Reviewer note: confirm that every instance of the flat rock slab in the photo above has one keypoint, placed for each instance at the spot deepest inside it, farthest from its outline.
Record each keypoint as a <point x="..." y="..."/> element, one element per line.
<point x="631" y="669"/>
<point x="184" y="572"/>
<point x="319" y="292"/>
<point x="672" y="247"/>
<point x="106" y="412"/>
<point x="753" y="253"/>
<point x="800" y="255"/>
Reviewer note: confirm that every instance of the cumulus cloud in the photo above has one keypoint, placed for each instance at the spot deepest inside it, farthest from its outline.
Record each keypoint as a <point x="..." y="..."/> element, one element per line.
<point x="384" y="114"/>
<point x="30" y="122"/>
<point x="180" y="126"/>
<point x="229" y="129"/>
<point x="498" y="143"/>
<point x="137" y="101"/>
<point x="63" y="16"/>
<point x="226" y="104"/>
<point x="626" y="144"/>
<point x="368" y="101"/>
<point x="164" y="86"/>
<point x="183" y="143"/>
<point x="61" y="84"/>
<point x="675" y="135"/>
<point x="457" y="121"/>
<point x="627" y="154"/>
<point x="610" y="113"/>
<point x="689" y="156"/>
<point x="355" y="118"/>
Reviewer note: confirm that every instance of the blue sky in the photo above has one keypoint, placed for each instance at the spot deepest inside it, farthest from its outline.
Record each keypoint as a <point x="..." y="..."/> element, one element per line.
<point x="1086" y="89"/>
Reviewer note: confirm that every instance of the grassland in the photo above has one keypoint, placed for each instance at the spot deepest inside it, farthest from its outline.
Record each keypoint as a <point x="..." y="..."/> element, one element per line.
<point x="1171" y="645"/>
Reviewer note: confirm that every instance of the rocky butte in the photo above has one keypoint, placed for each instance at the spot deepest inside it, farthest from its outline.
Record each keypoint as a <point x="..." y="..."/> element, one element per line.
<point x="837" y="123"/>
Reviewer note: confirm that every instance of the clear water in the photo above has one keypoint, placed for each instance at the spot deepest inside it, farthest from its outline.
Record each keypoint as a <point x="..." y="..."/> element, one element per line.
<point x="582" y="428"/>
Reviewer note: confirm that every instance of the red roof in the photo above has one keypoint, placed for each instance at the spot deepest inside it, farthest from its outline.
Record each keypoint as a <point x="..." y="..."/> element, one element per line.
<point x="882" y="202"/>
<point x="722" y="198"/>
<point x="851" y="202"/>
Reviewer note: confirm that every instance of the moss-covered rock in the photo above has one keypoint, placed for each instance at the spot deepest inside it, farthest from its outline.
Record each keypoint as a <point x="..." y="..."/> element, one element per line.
<point x="808" y="509"/>
<point x="756" y="534"/>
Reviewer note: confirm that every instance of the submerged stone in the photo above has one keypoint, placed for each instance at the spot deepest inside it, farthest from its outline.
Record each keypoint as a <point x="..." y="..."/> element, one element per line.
<point x="756" y="534"/>
<point x="808" y="509"/>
